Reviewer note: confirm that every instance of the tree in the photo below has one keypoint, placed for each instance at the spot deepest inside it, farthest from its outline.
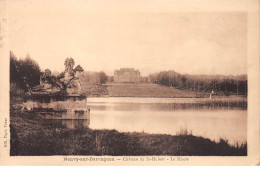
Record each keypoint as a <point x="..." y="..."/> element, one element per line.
<point x="24" y="70"/>
<point x="219" y="83"/>
<point x="102" y="77"/>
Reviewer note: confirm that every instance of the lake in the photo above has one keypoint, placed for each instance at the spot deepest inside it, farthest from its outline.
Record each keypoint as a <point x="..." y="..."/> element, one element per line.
<point x="166" y="116"/>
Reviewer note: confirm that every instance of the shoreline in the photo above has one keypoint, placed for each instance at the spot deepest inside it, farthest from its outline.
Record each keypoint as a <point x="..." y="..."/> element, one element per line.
<point x="221" y="97"/>
<point x="228" y="102"/>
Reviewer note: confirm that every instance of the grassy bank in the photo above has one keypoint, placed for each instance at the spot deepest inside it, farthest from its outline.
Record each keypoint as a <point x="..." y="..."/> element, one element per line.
<point x="149" y="90"/>
<point x="31" y="135"/>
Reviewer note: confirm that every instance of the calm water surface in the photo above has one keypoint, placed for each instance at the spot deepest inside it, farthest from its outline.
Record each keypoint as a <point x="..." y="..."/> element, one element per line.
<point x="166" y="116"/>
<point x="160" y="115"/>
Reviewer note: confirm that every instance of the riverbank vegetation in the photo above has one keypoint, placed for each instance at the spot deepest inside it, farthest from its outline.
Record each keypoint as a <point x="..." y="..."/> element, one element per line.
<point x="32" y="136"/>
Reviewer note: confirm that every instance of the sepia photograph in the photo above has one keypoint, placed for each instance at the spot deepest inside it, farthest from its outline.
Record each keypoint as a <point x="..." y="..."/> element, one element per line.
<point x="110" y="80"/>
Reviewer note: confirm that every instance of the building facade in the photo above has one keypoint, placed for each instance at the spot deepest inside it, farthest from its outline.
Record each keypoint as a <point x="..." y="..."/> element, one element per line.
<point x="127" y="75"/>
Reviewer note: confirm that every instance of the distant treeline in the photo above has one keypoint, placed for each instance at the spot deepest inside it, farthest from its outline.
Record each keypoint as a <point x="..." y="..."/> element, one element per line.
<point x="220" y="84"/>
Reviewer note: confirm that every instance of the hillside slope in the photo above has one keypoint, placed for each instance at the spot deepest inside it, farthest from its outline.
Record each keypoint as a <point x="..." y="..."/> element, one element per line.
<point x="148" y="90"/>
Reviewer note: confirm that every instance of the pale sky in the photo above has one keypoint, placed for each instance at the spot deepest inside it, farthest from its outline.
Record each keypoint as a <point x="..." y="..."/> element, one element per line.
<point x="107" y="36"/>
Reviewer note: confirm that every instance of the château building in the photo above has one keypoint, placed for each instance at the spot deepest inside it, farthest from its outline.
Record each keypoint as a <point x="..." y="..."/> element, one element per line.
<point x="127" y="75"/>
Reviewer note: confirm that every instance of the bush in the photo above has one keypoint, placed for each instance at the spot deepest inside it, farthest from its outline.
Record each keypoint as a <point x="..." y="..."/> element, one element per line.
<point x="24" y="70"/>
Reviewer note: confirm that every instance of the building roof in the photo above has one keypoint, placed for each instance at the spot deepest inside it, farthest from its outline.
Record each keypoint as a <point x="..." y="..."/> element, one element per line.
<point x="123" y="70"/>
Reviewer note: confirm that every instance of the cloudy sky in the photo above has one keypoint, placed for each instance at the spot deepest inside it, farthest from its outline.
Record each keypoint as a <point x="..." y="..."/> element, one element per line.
<point x="107" y="36"/>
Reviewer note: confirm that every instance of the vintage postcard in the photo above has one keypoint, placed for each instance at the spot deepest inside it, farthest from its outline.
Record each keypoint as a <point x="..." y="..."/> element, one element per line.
<point x="122" y="82"/>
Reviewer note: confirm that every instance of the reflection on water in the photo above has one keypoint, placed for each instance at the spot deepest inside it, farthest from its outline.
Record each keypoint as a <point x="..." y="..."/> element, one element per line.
<point x="158" y="115"/>
<point x="68" y="123"/>
<point x="75" y="124"/>
<point x="80" y="114"/>
<point x="155" y="107"/>
<point x="70" y="119"/>
<point x="168" y="116"/>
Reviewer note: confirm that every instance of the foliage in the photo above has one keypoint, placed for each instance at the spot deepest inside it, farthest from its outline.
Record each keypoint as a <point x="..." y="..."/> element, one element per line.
<point x="103" y="77"/>
<point x="24" y="70"/>
<point x="222" y="85"/>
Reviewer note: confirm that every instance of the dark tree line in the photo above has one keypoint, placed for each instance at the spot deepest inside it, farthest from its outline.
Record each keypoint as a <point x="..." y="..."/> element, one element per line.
<point x="222" y="85"/>
<point x="24" y="69"/>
